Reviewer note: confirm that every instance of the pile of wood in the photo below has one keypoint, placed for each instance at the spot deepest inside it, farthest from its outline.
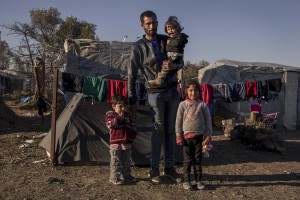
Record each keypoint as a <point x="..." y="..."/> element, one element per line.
<point x="265" y="139"/>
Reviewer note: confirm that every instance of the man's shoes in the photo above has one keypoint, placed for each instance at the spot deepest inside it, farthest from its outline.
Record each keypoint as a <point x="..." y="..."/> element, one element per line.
<point x="187" y="186"/>
<point x="171" y="173"/>
<point x="130" y="179"/>
<point x="116" y="181"/>
<point x="154" y="175"/>
<point x="200" y="186"/>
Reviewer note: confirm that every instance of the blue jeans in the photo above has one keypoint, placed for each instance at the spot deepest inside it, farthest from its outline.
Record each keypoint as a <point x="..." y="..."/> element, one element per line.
<point x="164" y="108"/>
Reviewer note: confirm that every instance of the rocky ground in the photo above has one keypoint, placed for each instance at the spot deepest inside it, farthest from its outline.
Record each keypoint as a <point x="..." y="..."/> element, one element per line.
<point x="233" y="170"/>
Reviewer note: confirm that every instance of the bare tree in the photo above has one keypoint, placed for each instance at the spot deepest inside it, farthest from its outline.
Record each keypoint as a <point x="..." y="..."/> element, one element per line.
<point x="44" y="37"/>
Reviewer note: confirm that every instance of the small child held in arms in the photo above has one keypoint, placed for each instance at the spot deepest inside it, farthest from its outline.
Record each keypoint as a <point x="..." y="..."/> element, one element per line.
<point x="193" y="129"/>
<point x="174" y="47"/>
<point x="122" y="133"/>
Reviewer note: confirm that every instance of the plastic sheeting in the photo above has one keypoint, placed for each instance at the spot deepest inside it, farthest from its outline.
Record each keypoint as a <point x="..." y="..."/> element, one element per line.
<point x="228" y="71"/>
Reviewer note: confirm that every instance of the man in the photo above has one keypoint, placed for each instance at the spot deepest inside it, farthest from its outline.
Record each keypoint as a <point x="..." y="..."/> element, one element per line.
<point x="147" y="57"/>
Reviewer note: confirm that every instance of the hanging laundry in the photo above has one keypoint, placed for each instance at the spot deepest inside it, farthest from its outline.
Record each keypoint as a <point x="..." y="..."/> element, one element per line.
<point x="115" y="87"/>
<point x="95" y="87"/>
<point x="72" y="82"/>
<point x="141" y="91"/>
<point x="263" y="91"/>
<point x="219" y="90"/>
<point x="251" y="90"/>
<point x="275" y="85"/>
<point x="206" y="93"/>
<point x="236" y="92"/>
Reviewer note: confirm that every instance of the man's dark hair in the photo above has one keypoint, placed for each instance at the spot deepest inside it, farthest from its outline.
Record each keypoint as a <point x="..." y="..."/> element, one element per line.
<point x="192" y="82"/>
<point x="147" y="13"/>
<point x="119" y="98"/>
<point x="173" y="22"/>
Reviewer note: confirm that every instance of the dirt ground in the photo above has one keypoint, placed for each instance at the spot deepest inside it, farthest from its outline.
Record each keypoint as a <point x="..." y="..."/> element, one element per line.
<point x="233" y="170"/>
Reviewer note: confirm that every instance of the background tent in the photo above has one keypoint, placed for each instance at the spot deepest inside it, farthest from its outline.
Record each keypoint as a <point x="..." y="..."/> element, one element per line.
<point x="81" y="134"/>
<point x="228" y="71"/>
<point x="10" y="82"/>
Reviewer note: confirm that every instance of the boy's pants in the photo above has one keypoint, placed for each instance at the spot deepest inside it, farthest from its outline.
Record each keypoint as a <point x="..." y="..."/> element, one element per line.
<point x="120" y="163"/>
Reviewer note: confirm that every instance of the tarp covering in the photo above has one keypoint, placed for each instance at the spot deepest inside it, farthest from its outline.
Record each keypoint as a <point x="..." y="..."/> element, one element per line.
<point x="97" y="58"/>
<point x="10" y="82"/>
<point x="81" y="134"/>
<point x="228" y="71"/>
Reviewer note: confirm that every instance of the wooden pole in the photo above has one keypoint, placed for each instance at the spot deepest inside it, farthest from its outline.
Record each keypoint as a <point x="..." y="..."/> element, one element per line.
<point x="53" y="122"/>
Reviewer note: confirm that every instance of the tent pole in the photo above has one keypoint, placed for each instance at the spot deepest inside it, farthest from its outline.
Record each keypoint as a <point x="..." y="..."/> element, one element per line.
<point x="53" y="122"/>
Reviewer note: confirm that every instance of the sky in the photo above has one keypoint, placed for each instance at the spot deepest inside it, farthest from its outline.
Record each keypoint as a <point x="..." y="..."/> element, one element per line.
<point x="241" y="30"/>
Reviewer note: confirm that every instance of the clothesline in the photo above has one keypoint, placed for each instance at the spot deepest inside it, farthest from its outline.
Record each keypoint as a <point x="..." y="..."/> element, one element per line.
<point x="101" y="88"/>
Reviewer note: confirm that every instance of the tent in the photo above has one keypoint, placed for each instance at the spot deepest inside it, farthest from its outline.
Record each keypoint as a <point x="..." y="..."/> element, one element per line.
<point x="10" y="82"/>
<point x="228" y="71"/>
<point x="81" y="134"/>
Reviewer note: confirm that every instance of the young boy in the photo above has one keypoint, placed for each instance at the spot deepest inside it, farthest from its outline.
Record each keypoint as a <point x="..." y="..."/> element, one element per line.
<point x="175" y="48"/>
<point x="122" y="133"/>
<point x="193" y="124"/>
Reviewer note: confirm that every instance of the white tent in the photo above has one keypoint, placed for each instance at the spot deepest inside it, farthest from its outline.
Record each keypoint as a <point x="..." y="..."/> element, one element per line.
<point x="228" y="71"/>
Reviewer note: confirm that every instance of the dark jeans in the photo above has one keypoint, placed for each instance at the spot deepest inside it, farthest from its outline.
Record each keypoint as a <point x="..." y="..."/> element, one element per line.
<point x="164" y="108"/>
<point x="192" y="156"/>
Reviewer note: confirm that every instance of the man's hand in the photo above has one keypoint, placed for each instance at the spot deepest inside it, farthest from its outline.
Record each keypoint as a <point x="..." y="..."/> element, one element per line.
<point x="168" y="66"/>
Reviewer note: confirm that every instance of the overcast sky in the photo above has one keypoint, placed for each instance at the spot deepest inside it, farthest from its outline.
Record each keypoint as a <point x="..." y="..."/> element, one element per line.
<point x="242" y="30"/>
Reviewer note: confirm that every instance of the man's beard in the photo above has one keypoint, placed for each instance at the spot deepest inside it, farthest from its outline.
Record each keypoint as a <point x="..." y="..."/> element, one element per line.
<point x="151" y="33"/>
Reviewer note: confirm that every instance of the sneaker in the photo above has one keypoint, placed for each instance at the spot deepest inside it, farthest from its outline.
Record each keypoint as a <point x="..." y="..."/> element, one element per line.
<point x="130" y="179"/>
<point x="171" y="173"/>
<point x="200" y="186"/>
<point x="187" y="186"/>
<point x="116" y="181"/>
<point x="154" y="175"/>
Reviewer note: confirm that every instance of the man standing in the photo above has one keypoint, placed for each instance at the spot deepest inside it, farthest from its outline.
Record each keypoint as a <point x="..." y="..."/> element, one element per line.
<point x="148" y="56"/>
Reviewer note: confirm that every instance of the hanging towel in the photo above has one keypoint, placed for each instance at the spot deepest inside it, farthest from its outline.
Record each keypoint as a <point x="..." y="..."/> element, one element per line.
<point x="206" y="93"/>
<point x="236" y="92"/>
<point x="96" y="87"/>
<point x="115" y="87"/>
<point x="219" y="90"/>
<point x="251" y="90"/>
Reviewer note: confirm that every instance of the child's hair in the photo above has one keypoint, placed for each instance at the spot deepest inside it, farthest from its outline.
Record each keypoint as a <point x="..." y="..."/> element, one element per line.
<point x="119" y="98"/>
<point x="173" y="22"/>
<point x="192" y="82"/>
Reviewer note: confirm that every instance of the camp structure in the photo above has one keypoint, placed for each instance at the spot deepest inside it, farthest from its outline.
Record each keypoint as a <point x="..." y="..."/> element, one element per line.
<point x="287" y="101"/>
<point x="81" y="134"/>
<point x="10" y="81"/>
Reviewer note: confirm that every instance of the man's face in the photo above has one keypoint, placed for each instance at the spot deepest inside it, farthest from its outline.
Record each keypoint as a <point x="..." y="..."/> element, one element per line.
<point x="150" y="26"/>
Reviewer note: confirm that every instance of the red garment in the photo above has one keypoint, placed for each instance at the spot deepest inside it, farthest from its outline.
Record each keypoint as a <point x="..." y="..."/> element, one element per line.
<point x="115" y="87"/>
<point x="251" y="90"/>
<point x="206" y="93"/>
<point x="121" y="130"/>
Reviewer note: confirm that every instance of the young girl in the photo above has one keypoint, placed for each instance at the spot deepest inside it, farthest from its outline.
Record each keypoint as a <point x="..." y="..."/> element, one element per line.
<point x="193" y="124"/>
<point x="175" y="48"/>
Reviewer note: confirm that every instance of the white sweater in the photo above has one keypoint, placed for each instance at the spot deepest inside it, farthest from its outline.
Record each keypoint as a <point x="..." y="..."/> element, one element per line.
<point x="193" y="117"/>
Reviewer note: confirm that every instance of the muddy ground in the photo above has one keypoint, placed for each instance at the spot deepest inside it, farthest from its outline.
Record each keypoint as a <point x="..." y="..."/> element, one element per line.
<point x="233" y="170"/>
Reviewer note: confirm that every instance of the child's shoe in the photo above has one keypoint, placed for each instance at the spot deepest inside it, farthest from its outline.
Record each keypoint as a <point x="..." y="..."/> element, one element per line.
<point x="200" y="186"/>
<point x="116" y="181"/>
<point x="130" y="179"/>
<point x="187" y="186"/>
